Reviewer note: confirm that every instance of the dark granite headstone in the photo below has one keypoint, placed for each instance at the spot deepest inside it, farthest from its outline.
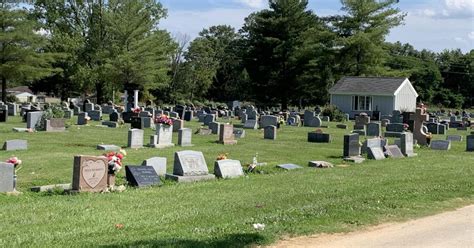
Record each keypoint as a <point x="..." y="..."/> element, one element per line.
<point x="141" y="176"/>
<point x="351" y="145"/>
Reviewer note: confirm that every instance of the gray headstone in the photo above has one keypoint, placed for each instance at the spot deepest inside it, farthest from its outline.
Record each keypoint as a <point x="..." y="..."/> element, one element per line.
<point x="270" y="132"/>
<point x="189" y="166"/>
<point x="374" y="142"/>
<point x="114" y="116"/>
<point x="228" y="168"/>
<point x="33" y="118"/>
<point x="470" y="143"/>
<point x="6" y="177"/>
<point x="177" y="125"/>
<point x="215" y="127"/>
<point x="395" y="127"/>
<point x="135" y="138"/>
<point x="158" y="164"/>
<point x="95" y="115"/>
<point x="454" y="138"/>
<point x="406" y="144"/>
<point x="440" y="145"/>
<point x="289" y="166"/>
<point x="108" y="147"/>
<point x="351" y="145"/>
<point x="185" y="136"/>
<point x="251" y="124"/>
<point x="12" y="145"/>
<point x="373" y="129"/>
<point x="318" y="137"/>
<point x="209" y="118"/>
<point x="268" y="120"/>
<point x="394" y="152"/>
<point x="163" y="137"/>
<point x="375" y="153"/>
<point x="81" y="118"/>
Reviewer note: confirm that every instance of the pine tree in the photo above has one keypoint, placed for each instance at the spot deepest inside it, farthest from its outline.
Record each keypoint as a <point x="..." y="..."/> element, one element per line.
<point x="22" y="52"/>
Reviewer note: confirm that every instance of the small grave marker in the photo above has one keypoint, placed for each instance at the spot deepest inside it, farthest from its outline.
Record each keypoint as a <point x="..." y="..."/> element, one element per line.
<point x="141" y="176"/>
<point x="89" y="173"/>
<point x="228" y="168"/>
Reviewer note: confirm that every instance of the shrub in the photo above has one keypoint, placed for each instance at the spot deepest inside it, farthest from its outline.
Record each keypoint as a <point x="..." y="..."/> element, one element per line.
<point x="333" y="112"/>
<point x="53" y="111"/>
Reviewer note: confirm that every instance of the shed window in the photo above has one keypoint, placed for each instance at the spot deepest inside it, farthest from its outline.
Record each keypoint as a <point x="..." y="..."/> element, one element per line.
<point x="362" y="103"/>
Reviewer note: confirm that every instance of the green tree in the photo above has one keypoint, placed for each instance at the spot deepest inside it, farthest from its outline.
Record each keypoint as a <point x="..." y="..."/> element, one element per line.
<point x="272" y="40"/>
<point x="140" y="53"/>
<point x="362" y="34"/>
<point x="22" y="48"/>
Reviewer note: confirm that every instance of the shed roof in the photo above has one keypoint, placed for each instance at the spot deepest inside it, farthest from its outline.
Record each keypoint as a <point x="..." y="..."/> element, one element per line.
<point x="368" y="85"/>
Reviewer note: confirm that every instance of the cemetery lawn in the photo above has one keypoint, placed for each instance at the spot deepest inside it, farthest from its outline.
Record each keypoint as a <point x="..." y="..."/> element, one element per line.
<point x="221" y="213"/>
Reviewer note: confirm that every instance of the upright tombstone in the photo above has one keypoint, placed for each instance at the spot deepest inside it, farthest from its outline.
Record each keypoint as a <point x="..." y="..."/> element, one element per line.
<point x="419" y="117"/>
<point x="406" y="144"/>
<point x="14" y="145"/>
<point x="443" y="145"/>
<point x="375" y="153"/>
<point x="209" y="118"/>
<point x="373" y="129"/>
<point x="396" y="117"/>
<point x="188" y="115"/>
<point x="7" y="172"/>
<point x="351" y="145"/>
<point x="361" y="121"/>
<point x="177" y="125"/>
<point x="158" y="164"/>
<point x="308" y="117"/>
<point x="268" y="120"/>
<point x="95" y="115"/>
<point x="135" y="138"/>
<point x="3" y="114"/>
<point x="33" y="118"/>
<point x="55" y="125"/>
<point x="185" y="136"/>
<point x="374" y="142"/>
<point x="189" y="166"/>
<point x="226" y="134"/>
<point x="88" y="107"/>
<point x="243" y="117"/>
<point x="214" y="126"/>
<point x="89" y="174"/>
<point x="470" y="143"/>
<point x="251" y="124"/>
<point x="82" y="118"/>
<point x="163" y="137"/>
<point x="12" y="109"/>
<point x="228" y="168"/>
<point x="270" y="132"/>
<point x="319" y="137"/>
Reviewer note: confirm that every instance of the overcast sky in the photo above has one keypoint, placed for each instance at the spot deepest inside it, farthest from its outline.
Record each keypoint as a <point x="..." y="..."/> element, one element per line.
<point x="430" y="24"/>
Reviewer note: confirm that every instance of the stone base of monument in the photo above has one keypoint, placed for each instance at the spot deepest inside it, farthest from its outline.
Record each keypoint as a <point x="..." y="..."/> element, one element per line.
<point x="354" y="159"/>
<point x="190" y="179"/>
<point x="50" y="188"/>
<point x="161" y="146"/>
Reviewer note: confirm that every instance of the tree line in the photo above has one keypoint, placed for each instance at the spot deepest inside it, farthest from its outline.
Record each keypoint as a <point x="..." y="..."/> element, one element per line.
<point x="283" y="55"/>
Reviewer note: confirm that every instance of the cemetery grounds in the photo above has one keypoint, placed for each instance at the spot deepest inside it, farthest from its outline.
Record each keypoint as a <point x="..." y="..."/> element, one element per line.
<point x="222" y="213"/>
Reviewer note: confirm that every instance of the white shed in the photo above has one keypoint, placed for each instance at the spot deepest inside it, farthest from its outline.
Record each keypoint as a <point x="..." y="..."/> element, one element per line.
<point x="354" y="95"/>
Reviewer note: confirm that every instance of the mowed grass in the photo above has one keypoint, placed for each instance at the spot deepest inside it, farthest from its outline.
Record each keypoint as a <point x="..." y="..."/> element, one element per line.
<point x="220" y="213"/>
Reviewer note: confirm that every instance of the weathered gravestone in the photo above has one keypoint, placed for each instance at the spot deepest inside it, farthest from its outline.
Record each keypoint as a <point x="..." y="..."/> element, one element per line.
<point x="373" y="129"/>
<point x="470" y="143"/>
<point x="406" y="144"/>
<point x="270" y="132"/>
<point x="108" y="148"/>
<point x="268" y="120"/>
<point x="13" y="145"/>
<point x="289" y="166"/>
<point x="319" y="137"/>
<point x="396" y="117"/>
<point x="454" y="137"/>
<point x="188" y="115"/>
<point x="243" y="117"/>
<point x="189" y="166"/>
<point x="351" y="145"/>
<point x="158" y="164"/>
<point x="226" y="135"/>
<point x="394" y="151"/>
<point x="141" y="176"/>
<point x="89" y="174"/>
<point x="440" y="145"/>
<point x="228" y="168"/>
<point x="215" y="127"/>
<point x="419" y="117"/>
<point x="33" y="118"/>
<point x="239" y="133"/>
<point x="209" y="118"/>
<point x="114" y="116"/>
<point x="145" y="122"/>
<point x="135" y="138"/>
<point x="7" y="172"/>
<point x="251" y="124"/>
<point x="95" y="115"/>
<point x="82" y="118"/>
<point x="361" y="121"/>
<point x="375" y="153"/>
<point x="308" y="117"/>
<point x="55" y="125"/>
<point x="204" y="131"/>
<point x="374" y="142"/>
<point x="184" y="137"/>
<point x="12" y="109"/>
<point x="163" y="137"/>
<point x="394" y="130"/>
<point x="177" y="125"/>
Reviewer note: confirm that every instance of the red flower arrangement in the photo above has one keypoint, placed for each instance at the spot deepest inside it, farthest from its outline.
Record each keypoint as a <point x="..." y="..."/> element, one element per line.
<point x="136" y="110"/>
<point x="164" y="119"/>
<point x="115" y="161"/>
<point x="16" y="163"/>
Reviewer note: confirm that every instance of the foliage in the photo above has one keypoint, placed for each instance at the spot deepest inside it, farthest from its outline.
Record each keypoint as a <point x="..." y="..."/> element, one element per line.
<point x="12" y="98"/>
<point x="23" y="57"/>
<point x="333" y="112"/>
<point x="53" y="111"/>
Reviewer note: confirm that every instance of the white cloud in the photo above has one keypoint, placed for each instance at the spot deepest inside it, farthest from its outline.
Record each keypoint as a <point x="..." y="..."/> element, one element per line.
<point x="457" y="9"/>
<point x="471" y="35"/>
<point x="256" y="4"/>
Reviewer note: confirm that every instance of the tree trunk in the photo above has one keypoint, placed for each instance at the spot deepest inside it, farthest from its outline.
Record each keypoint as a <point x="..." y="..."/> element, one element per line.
<point x="4" y="89"/>
<point x="99" y="93"/>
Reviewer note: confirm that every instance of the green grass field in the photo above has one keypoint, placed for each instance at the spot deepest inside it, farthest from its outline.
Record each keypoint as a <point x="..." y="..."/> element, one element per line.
<point x="220" y="213"/>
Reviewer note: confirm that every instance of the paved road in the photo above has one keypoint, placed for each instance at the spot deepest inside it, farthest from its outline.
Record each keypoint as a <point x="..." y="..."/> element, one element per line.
<point x="450" y="229"/>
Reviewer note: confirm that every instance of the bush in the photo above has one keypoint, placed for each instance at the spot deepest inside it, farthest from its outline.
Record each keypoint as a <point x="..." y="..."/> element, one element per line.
<point x="53" y="111"/>
<point x="333" y="112"/>
<point x="12" y="98"/>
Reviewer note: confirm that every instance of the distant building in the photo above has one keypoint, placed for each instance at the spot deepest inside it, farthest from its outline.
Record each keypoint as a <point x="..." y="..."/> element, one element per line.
<point x="354" y="95"/>
<point x="22" y="93"/>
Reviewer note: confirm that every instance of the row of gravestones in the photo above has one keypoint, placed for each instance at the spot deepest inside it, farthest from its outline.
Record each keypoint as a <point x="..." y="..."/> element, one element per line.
<point x="90" y="173"/>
